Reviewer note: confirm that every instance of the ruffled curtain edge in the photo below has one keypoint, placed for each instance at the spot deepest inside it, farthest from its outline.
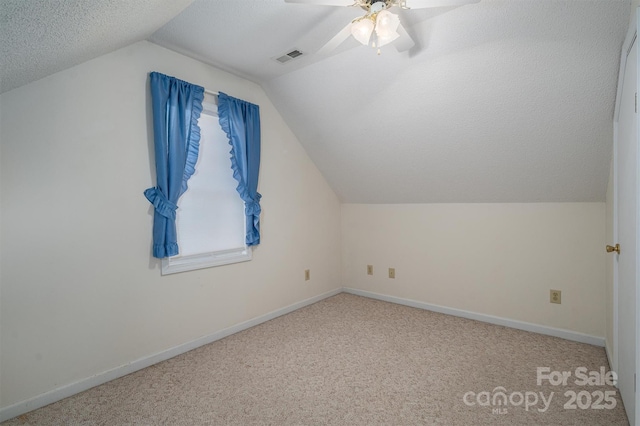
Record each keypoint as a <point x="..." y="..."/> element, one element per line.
<point x="252" y="207"/>
<point x="193" y="141"/>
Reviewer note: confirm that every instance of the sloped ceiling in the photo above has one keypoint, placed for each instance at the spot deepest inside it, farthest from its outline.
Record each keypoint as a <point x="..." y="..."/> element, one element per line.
<point x="499" y="101"/>
<point x="41" y="37"/>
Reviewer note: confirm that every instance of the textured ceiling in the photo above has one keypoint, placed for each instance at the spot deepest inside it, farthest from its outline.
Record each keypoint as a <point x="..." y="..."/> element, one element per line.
<point x="41" y="37"/>
<point x="499" y="101"/>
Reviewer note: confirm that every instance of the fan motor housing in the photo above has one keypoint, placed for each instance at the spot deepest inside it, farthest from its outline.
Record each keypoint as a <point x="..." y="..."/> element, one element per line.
<point x="368" y="4"/>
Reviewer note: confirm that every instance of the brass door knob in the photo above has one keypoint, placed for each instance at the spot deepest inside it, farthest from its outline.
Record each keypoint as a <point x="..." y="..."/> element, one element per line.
<point x="611" y="249"/>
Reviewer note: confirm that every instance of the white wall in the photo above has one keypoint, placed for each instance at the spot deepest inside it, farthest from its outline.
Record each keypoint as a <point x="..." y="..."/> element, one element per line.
<point x="80" y="291"/>
<point x="494" y="259"/>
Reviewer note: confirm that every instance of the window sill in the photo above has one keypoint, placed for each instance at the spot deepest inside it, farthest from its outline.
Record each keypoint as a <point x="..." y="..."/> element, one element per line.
<point x="176" y="264"/>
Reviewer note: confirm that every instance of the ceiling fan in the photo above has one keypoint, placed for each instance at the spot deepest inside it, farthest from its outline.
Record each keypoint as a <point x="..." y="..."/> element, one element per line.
<point x="378" y="26"/>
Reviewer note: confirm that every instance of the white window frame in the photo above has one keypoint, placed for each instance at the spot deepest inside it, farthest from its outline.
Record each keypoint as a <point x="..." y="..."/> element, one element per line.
<point x="176" y="264"/>
<point x="173" y="265"/>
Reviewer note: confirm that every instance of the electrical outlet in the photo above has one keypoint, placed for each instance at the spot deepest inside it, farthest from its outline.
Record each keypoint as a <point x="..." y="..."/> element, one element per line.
<point x="392" y="272"/>
<point x="369" y="269"/>
<point x="555" y="296"/>
<point x="307" y="274"/>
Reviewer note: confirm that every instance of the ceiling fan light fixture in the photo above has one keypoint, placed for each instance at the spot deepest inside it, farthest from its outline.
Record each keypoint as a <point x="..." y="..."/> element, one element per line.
<point x="379" y="20"/>
<point x="362" y="30"/>
<point x="386" y="24"/>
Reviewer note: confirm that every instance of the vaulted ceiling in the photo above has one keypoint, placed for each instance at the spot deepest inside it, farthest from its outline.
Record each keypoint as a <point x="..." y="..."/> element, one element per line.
<point x="498" y="101"/>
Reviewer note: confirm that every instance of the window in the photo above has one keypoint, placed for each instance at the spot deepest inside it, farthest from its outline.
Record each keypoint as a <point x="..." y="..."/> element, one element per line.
<point x="210" y="219"/>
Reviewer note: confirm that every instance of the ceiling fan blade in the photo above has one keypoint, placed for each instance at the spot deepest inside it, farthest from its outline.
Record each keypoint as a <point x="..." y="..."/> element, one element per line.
<point x="405" y="41"/>
<point x="422" y="4"/>
<point x="324" y="2"/>
<point x="336" y="41"/>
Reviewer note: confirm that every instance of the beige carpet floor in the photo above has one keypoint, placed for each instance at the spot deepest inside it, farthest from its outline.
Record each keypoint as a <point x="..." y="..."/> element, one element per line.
<point x="350" y="360"/>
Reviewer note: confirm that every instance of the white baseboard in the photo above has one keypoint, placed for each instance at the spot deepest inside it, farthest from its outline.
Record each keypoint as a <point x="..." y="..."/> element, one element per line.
<point x="520" y="325"/>
<point x="90" y="382"/>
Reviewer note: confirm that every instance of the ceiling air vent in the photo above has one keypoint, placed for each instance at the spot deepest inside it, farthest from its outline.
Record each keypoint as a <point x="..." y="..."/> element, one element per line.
<point x="289" y="56"/>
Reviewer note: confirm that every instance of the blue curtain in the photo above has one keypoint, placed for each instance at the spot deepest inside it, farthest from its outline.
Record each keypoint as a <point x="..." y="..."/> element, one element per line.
<point x="240" y="120"/>
<point x="176" y="108"/>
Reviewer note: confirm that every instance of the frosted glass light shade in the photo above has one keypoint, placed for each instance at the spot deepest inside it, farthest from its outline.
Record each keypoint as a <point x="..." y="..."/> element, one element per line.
<point x="362" y="30"/>
<point x="386" y="25"/>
